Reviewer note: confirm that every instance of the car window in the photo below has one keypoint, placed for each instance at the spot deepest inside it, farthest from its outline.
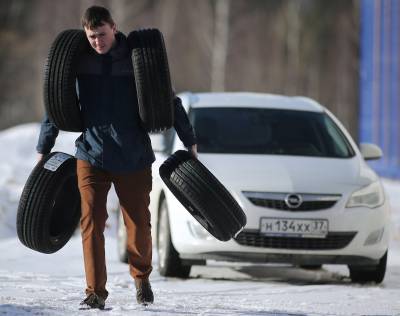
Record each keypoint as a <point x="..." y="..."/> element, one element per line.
<point x="268" y="131"/>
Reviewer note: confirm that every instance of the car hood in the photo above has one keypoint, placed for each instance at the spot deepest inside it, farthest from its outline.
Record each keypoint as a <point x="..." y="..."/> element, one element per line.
<point x="274" y="173"/>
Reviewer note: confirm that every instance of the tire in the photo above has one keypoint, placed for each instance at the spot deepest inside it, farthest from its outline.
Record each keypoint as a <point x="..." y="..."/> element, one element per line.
<point x="202" y="195"/>
<point x="49" y="208"/>
<point x="122" y="239"/>
<point x="360" y="274"/>
<point x="60" y="97"/>
<point x="152" y="79"/>
<point x="169" y="263"/>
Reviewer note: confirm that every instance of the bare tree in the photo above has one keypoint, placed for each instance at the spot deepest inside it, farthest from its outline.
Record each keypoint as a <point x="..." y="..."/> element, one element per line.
<point x="220" y="47"/>
<point x="293" y="46"/>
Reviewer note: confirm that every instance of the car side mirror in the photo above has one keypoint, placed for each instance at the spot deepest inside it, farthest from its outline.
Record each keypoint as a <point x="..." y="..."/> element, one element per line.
<point x="158" y="142"/>
<point x="370" y="151"/>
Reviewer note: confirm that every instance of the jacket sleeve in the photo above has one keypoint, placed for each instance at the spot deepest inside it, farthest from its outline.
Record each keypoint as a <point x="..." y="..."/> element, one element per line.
<point x="47" y="137"/>
<point x="182" y="124"/>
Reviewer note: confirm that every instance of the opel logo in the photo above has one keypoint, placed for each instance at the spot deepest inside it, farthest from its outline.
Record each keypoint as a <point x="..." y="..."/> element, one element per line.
<point x="293" y="200"/>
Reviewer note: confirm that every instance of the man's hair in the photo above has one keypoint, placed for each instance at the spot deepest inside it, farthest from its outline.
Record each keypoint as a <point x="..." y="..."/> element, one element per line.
<point x="96" y="16"/>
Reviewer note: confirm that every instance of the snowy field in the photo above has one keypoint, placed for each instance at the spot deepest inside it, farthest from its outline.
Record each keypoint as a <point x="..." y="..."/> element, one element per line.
<point x="37" y="284"/>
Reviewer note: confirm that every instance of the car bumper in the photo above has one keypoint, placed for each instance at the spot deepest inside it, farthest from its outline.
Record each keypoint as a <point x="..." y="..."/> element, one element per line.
<point x="361" y="223"/>
<point x="297" y="259"/>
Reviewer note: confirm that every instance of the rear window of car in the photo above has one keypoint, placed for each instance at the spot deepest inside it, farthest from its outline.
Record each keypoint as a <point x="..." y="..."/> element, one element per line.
<point x="268" y="131"/>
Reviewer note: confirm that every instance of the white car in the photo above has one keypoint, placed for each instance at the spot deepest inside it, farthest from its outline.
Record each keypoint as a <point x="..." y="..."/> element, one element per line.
<point x="308" y="194"/>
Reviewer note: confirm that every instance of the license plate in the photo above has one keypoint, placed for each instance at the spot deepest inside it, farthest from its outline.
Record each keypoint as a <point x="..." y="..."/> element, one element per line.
<point x="290" y="227"/>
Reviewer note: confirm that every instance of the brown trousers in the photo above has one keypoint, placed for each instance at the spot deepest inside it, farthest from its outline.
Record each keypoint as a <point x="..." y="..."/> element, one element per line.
<point x="133" y="191"/>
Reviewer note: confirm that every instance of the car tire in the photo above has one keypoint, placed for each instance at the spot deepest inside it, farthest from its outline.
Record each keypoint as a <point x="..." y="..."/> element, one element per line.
<point x="122" y="239"/>
<point x="359" y="274"/>
<point x="49" y="208"/>
<point x="60" y="97"/>
<point x="152" y="79"/>
<point x="200" y="192"/>
<point x="169" y="262"/>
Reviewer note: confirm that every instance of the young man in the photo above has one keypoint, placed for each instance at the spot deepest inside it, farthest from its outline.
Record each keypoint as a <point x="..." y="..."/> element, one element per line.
<point x="114" y="148"/>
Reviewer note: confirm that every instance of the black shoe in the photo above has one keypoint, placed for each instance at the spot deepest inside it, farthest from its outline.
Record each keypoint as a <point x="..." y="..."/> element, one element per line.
<point x="93" y="301"/>
<point x="144" y="294"/>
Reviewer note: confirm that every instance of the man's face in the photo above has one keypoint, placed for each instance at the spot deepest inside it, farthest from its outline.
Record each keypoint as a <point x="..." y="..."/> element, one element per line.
<point x="101" y="38"/>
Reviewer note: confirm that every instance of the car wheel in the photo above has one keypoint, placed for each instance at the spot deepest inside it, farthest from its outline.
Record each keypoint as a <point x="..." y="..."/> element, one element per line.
<point x="369" y="274"/>
<point x="206" y="199"/>
<point x="122" y="239"/>
<point x="169" y="263"/>
<point x="49" y="208"/>
<point x="152" y="79"/>
<point x="60" y="97"/>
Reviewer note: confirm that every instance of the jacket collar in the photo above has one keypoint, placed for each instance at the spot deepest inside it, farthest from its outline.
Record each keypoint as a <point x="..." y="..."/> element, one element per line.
<point x="120" y="49"/>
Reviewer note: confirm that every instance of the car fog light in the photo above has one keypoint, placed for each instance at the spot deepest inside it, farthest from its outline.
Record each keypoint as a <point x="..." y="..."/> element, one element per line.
<point x="374" y="237"/>
<point x="198" y="231"/>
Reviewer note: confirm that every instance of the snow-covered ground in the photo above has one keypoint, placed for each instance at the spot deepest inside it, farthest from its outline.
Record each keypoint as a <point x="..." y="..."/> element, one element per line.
<point x="37" y="284"/>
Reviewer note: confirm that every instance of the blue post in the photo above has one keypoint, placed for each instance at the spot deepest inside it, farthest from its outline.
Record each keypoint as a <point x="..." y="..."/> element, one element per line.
<point x="380" y="82"/>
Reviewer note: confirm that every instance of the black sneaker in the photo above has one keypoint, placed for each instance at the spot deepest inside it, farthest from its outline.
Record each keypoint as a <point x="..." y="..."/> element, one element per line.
<point x="93" y="301"/>
<point x="144" y="294"/>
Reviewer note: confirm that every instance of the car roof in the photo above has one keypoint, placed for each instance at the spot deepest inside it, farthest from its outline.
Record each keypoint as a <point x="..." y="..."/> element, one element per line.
<point x="249" y="99"/>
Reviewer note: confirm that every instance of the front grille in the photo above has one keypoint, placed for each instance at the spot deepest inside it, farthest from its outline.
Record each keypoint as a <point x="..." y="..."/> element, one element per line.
<point x="281" y="205"/>
<point x="334" y="240"/>
<point x="284" y="201"/>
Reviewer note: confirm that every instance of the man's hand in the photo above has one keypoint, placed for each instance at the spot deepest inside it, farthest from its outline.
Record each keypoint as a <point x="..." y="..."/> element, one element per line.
<point x="193" y="150"/>
<point x="40" y="156"/>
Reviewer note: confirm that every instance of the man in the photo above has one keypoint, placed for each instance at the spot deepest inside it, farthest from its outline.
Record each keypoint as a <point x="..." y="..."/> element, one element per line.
<point x="114" y="148"/>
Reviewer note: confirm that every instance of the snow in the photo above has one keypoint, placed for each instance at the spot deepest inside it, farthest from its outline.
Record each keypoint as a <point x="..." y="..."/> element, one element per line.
<point x="32" y="283"/>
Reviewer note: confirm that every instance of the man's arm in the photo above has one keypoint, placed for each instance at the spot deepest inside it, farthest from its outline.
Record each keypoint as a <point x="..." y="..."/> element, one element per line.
<point x="47" y="137"/>
<point x="183" y="127"/>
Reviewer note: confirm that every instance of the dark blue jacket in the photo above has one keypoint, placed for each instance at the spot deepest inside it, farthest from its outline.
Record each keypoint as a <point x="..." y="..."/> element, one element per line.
<point x="113" y="138"/>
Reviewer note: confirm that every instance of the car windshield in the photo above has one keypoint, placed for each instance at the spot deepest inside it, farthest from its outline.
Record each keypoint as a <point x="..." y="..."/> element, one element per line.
<point x="268" y="131"/>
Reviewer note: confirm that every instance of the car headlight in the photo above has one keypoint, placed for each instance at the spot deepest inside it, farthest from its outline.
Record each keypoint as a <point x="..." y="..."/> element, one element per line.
<point x="370" y="196"/>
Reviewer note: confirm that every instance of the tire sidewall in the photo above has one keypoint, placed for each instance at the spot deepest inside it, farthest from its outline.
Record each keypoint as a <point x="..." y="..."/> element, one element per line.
<point x="36" y="208"/>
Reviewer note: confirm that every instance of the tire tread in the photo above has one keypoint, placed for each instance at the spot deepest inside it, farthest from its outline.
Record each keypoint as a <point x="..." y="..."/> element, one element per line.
<point x="202" y="194"/>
